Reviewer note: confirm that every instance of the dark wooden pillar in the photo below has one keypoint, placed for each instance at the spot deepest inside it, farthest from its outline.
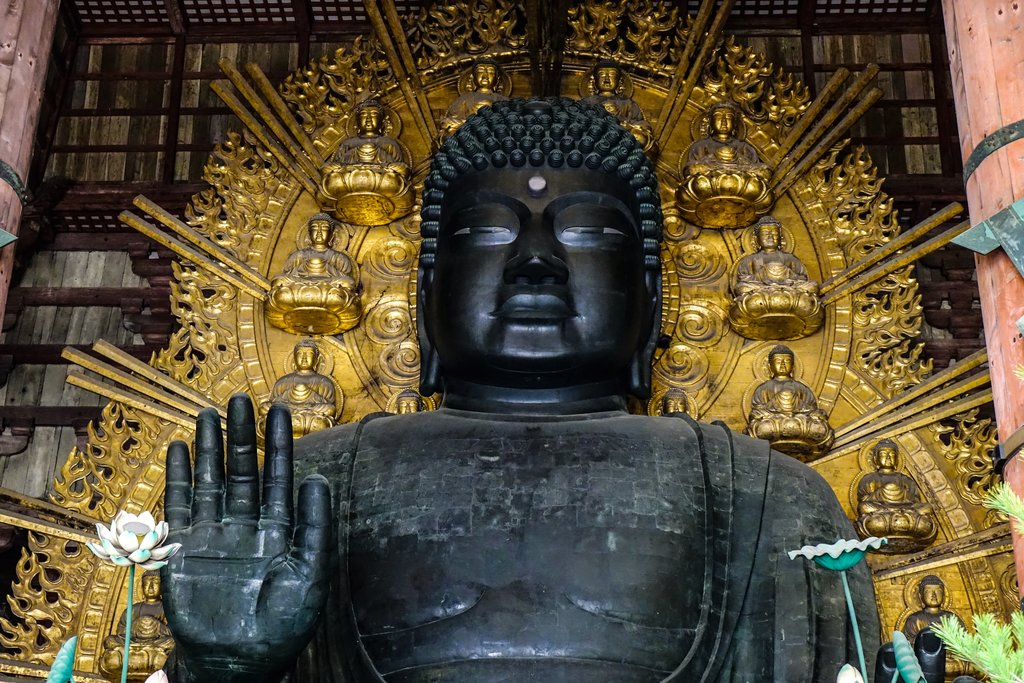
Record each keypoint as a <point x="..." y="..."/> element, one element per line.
<point x="26" y="32"/>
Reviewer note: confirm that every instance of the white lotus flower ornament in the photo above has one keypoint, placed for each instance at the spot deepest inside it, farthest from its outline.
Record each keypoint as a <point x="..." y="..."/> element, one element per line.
<point x="158" y="677"/>
<point x="134" y="540"/>
<point x="846" y="675"/>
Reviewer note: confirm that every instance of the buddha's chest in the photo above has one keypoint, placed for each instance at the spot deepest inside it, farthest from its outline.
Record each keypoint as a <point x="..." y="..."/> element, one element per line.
<point x="534" y="527"/>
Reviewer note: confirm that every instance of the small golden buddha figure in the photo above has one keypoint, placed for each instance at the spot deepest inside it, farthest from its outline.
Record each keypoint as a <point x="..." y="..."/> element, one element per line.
<point x="724" y="182"/>
<point x="890" y="504"/>
<point x="368" y="180"/>
<point x="773" y="297"/>
<point x="931" y="591"/>
<point x="317" y="292"/>
<point x="151" y="640"/>
<point x="607" y="84"/>
<point x="674" y="401"/>
<point x="482" y="87"/>
<point x="312" y="397"/>
<point x="408" y="401"/>
<point x="785" y="412"/>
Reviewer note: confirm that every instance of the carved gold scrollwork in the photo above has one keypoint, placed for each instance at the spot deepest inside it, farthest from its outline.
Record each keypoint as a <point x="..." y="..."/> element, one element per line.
<point x="697" y="263"/>
<point x="968" y="442"/>
<point x="701" y="324"/>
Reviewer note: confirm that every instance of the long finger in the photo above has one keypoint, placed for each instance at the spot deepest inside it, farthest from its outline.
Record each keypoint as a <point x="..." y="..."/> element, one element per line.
<point x="277" y="468"/>
<point x="313" y="529"/>
<point x="242" y="500"/>
<point x="208" y="494"/>
<point x="178" y="494"/>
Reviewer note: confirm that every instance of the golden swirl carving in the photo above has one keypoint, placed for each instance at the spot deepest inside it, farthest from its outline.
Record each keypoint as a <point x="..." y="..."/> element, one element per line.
<point x="701" y="324"/>
<point x="391" y="258"/>
<point x="697" y="262"/>
<point x="675" y="228"/>
<point x="400" y="363"/>
<point x="682" y="365"/>
<point x="389" y="321"/>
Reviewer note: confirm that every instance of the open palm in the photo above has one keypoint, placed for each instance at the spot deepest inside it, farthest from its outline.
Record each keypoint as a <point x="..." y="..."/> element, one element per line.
<point x="243" y="594"/>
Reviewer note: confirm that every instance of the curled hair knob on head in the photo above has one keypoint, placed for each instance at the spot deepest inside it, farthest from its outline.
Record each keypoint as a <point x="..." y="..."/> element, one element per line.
<point x="555" y="132"/>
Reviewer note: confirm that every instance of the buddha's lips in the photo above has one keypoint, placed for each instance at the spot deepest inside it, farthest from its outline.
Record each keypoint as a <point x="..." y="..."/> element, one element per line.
<point x="534" y="306"/>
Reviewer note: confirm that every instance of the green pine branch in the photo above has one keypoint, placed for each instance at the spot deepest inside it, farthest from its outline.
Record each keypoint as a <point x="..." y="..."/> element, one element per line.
<point x="995" y="648"/>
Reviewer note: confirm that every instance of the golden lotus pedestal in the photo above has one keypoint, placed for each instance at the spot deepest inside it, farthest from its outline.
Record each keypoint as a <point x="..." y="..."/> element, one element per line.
<point x="907" y="529"/>
<point x="313" y="309"/>
<point x="801" y="447"/>
<point x="366" y="194"/>
<point x="776" y="313"/>
<point x="724" y="200"/>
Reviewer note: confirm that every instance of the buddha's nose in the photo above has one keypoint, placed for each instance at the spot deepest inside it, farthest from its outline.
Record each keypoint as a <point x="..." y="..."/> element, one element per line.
<point x="536" y="270"/>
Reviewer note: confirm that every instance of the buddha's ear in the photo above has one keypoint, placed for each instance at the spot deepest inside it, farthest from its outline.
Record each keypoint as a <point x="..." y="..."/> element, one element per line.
<point x="640" y="367"/>
<point x="430" y="365"/>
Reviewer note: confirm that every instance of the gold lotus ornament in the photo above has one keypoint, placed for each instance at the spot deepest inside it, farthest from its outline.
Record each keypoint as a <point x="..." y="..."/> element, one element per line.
<point x="368" y="180"/>
<point x="773" y="297"/>
<point x="317" y="292"/>
<point x="724" y="182"/>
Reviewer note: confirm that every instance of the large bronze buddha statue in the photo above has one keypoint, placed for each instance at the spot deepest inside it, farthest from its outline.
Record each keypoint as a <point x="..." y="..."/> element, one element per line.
<point x="530" y="529"/>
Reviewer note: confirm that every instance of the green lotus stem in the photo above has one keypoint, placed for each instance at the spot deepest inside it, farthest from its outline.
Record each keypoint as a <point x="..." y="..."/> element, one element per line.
<point x="128" y="624"/>
<point x="853" y="624"/>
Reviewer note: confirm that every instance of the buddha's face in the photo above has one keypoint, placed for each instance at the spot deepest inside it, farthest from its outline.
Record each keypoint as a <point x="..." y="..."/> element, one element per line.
<point x="407" y="404"/>
<point x="484" y="76"/>
<point x="320" y="233"/>
<point x="369" y="120"/>
<point x="933" y="594"/>
<point x="674" y="402"/>
<point x="769" y="237"/>
<point x="723" y="121"/>
<point x="607" y="80"/>
<point x="885" y="457"/>
<point x="538" y="289"/>
<point x="151" y="586"/>
<point x="781" y="364"/>
<point x="305" y="358"/>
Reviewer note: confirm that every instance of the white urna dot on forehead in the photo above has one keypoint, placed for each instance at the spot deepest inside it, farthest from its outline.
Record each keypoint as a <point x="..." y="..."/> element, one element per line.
<point x="536" y="185"/>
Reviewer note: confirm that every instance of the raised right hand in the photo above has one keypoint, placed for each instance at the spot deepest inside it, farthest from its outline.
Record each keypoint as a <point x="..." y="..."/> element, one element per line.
<point x="243" y="594"/>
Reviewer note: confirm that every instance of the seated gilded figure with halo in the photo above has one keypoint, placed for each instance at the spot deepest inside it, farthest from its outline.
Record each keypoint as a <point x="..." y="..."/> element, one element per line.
<point x="724" y="183"/>
<point x="151" y="640"/>
<point x="530" y="528"/>
<point x="773" y="297"/>
<point x="312" y="397"/>
<point x="608" y="82"/>
<point x="785" y="412"/>
<point x="317" y="292"/>
<point x="889" y="504"/>
<point x="368" y="180"/>
<point x="482" y="85"/>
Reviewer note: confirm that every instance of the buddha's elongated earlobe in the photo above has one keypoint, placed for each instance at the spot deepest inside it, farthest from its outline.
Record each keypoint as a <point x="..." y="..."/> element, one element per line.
<point x="430" y="364"/>
<point x="639" y="380"/>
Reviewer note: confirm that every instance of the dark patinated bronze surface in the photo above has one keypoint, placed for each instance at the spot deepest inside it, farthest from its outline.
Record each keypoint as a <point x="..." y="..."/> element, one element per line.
<point x="530" y="529"/>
